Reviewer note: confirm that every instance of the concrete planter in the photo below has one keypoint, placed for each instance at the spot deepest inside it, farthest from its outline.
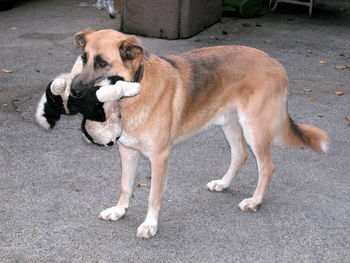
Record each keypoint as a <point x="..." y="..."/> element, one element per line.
<point x="170" y="19"/>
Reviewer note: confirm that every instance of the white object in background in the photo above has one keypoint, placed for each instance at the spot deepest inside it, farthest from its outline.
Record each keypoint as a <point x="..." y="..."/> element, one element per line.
<point x="308" y="3"/>
<point x="108" y="5"/>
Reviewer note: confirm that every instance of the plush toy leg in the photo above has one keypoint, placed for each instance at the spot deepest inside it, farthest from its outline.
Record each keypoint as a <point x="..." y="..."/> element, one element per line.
<point x="40" y="113"/>
<point x="53" y="102"/>
<point x="50" y="106"/>
<point x="58" y="86"/>
<point x="114" y="92"/>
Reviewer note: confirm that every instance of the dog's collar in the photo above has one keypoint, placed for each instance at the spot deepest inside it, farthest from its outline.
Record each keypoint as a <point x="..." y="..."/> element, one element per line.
<point x="138" y="74"/>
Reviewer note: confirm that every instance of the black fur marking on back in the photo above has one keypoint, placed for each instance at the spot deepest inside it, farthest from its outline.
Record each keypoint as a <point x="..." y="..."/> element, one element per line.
<point x="171" y="62"/>
<point x="53" y="107"/>
<point x="295" y="129"/>
<point x="202" y="73"/>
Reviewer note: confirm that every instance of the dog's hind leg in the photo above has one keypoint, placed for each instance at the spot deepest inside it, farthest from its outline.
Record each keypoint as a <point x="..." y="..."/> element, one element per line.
<point x="259" y="135"/>
<point x="234" y="136"/>
<point x="129" y="159"/>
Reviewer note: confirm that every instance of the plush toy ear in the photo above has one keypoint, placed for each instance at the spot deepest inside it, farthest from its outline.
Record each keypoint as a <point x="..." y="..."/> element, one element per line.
<point x="80" y="37"/>
<point x="131" y="48"/>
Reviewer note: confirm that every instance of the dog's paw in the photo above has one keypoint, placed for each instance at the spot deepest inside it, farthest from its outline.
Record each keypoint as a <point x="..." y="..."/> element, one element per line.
<point x="112" y="213"/>
<point x="249" y="204"/>
<point x="58" y="86"/>
<point x="147" y="230"/>
<point x="216" y="186"/>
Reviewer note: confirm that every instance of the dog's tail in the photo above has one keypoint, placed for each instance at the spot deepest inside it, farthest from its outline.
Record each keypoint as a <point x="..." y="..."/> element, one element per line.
<point x="302" y="135"/>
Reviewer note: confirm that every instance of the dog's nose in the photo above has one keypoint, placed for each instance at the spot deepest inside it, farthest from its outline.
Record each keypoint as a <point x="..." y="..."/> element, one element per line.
<point x="76" y="93"/>
<point x="77" y="88"/>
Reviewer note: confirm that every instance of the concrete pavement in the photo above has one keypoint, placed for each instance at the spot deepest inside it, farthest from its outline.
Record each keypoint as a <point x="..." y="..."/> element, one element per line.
<point x="53" y="185"/>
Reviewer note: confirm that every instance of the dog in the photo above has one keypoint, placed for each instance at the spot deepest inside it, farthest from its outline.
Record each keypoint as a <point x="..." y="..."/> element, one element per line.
<point x="239" y="88"/>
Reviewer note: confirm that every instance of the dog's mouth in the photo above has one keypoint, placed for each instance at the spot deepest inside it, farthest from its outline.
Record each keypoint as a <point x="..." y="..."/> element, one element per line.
<point x="110" y="80"/>
<point x="79" y="87"/>
<point x="78" y="90"/>
<point x="78" y="93"/>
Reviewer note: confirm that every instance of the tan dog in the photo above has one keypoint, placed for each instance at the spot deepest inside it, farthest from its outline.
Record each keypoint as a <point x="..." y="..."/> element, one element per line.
<point x="239" y="88"/>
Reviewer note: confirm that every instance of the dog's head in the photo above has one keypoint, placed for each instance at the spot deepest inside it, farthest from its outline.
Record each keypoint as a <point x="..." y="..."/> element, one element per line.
<point x="107" y="53"/>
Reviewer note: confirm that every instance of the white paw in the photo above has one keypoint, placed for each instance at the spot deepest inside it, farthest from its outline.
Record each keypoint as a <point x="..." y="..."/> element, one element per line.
<point x="112" y="213"/>
<point x="249" y="204"/>
<point x="147" y="230"/>
<point x="216" y="185"/>
<point x="58" y="86"/>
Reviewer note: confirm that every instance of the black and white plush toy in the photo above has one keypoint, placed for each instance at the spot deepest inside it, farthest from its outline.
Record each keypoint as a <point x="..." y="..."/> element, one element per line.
<point x="99" y="106"/>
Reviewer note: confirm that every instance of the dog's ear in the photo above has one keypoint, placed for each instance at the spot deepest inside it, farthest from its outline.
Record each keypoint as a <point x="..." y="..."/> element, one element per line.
<point x="131" y="48"/>
<point x="80" y="37"/>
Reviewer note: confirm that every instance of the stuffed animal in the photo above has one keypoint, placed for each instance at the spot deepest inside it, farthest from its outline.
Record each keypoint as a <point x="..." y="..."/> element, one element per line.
<point x="99" y="106"/>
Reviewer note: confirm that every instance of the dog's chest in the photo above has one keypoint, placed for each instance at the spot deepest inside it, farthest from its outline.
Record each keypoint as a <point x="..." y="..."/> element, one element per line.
<point x="128" y="141"/>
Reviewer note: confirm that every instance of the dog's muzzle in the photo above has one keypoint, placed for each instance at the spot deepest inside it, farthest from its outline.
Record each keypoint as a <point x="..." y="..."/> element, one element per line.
<point x="77" y="88"/>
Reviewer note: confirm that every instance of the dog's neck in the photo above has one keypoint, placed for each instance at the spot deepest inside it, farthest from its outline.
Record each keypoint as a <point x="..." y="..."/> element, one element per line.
<point x="136" y="110"/>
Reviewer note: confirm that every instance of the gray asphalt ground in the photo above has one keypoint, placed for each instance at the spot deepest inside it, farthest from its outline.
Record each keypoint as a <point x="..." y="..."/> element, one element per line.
<point x="53" y="185"/>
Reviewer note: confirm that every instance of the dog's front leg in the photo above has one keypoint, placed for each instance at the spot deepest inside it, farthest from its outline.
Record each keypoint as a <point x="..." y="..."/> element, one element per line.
<point x="159" y="166"/>
<point x="129" y="160"/>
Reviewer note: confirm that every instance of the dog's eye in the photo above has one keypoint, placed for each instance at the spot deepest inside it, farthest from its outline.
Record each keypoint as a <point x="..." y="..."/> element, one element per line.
<point x="100" y="62"/>
<point x="84" y="58"/>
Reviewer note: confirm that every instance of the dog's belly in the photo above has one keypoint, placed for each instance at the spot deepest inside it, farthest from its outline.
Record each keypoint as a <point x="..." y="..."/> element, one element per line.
<point x="225" y="116"/>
